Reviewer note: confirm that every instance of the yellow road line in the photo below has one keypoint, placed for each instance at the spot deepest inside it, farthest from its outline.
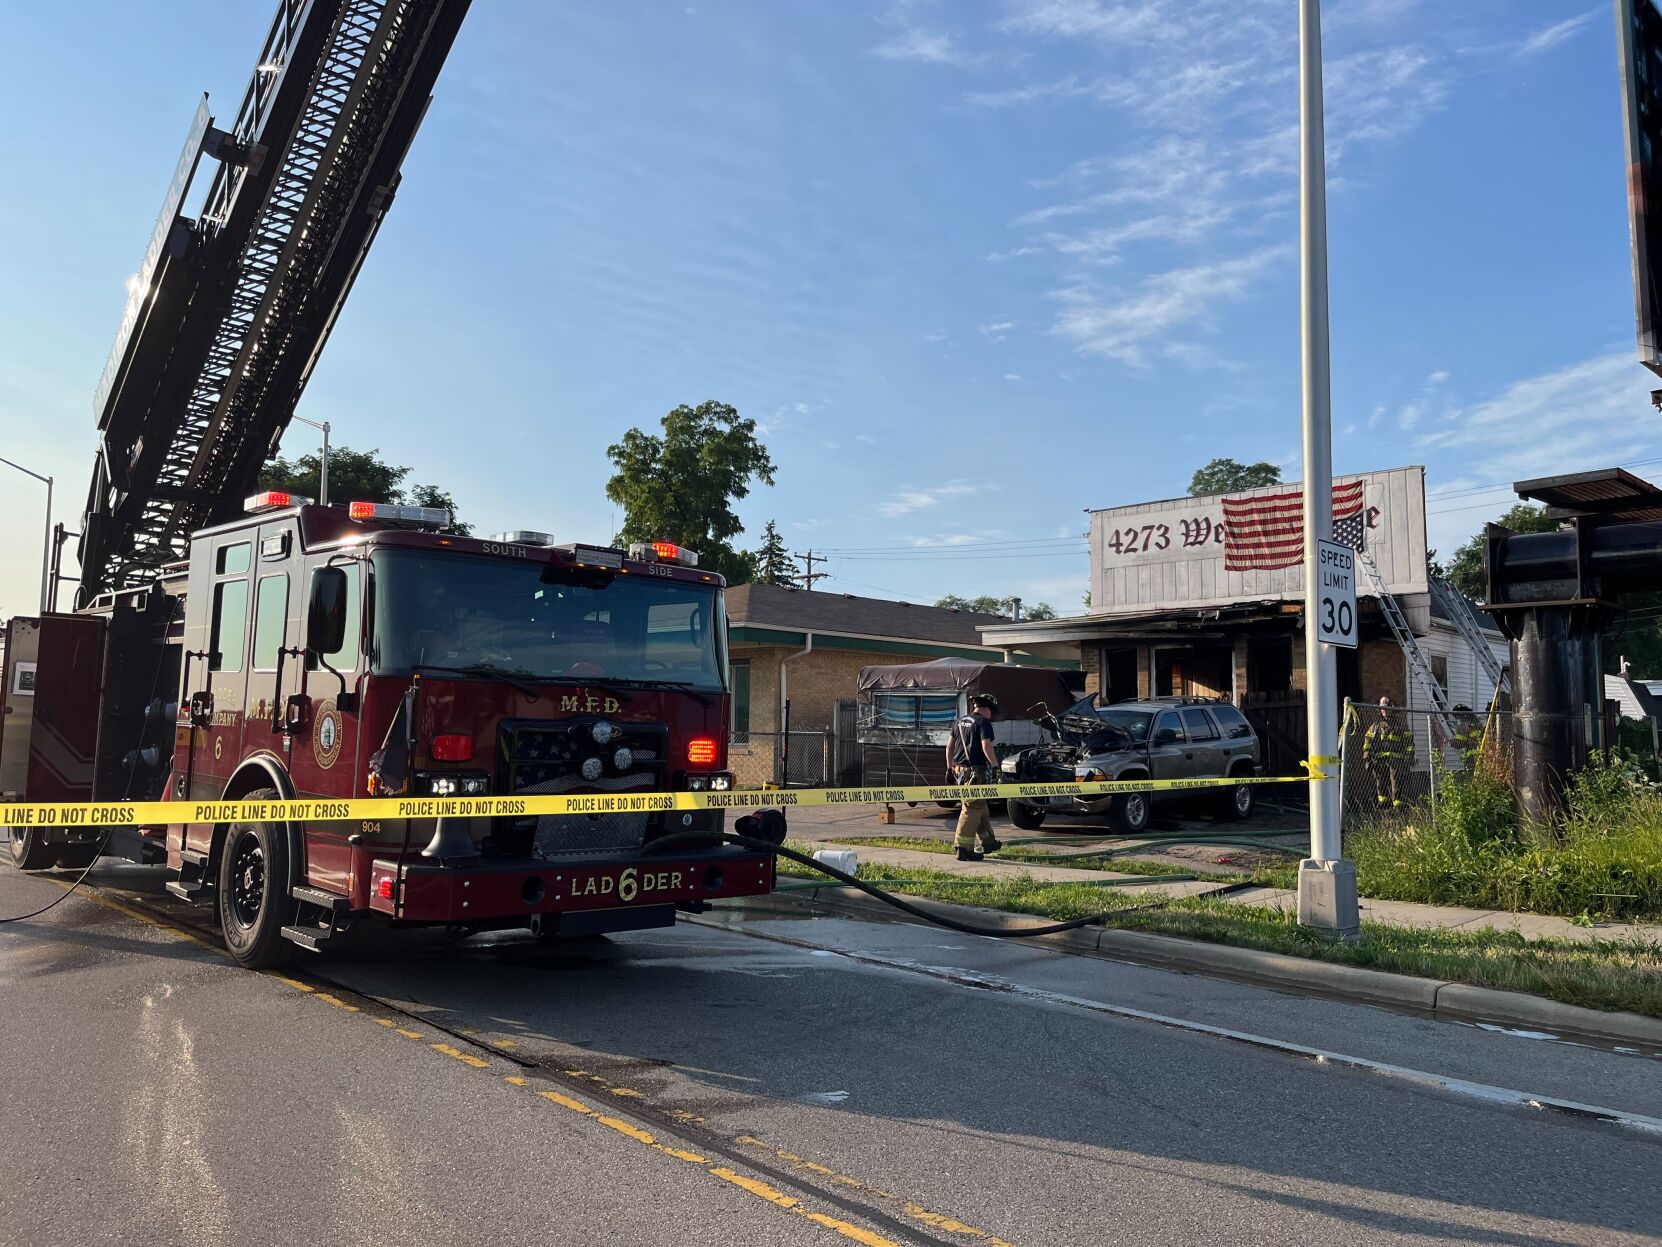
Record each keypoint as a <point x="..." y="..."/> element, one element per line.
<point x="914" y="1210"/>
<point x="763" y="1191"/>
<point x="466" y="1058"/>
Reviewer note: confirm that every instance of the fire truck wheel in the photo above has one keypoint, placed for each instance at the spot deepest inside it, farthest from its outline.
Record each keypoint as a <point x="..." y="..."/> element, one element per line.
<point x="253" y="889"/>
<point x="77" y="856"/>
<point x="30" y="850"/>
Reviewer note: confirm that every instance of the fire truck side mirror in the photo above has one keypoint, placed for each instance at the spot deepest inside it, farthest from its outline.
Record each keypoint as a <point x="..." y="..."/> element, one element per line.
<point x="326" y="611"/>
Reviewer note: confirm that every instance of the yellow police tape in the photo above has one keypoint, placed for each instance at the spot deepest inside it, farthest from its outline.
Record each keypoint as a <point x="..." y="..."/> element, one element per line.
<point x="324" y="810"/>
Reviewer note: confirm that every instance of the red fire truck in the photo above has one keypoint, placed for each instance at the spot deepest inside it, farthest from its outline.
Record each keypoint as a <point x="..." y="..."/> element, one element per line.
<point x="360" y="651"/>
<point x="233" y="647"/>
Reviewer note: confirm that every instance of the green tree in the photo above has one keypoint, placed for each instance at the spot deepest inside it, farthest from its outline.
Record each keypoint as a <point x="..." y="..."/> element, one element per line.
<point x="1226" y="476"/>
<point x="1465" y="570"/>
<point x="986" y="604"/>
<point x="774" y="565"/>
<point x="681" y="486"/>
<point x="356" y="476"/>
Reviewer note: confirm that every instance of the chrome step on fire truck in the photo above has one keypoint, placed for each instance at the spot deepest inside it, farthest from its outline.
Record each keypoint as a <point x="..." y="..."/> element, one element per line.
<point x="228" y="646"/>
<point x="361" y="651"/>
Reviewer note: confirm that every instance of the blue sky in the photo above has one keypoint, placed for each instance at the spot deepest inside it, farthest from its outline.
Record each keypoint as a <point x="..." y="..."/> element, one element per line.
<point x="974" y="266"/>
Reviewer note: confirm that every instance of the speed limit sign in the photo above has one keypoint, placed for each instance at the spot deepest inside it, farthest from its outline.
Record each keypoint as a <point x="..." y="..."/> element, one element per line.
<point x="1336" y="605"/>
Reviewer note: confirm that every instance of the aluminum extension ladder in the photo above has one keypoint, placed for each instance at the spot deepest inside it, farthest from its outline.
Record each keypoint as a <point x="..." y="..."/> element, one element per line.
<point x="1462" y="615"/>
<point x="1410" y="647"/>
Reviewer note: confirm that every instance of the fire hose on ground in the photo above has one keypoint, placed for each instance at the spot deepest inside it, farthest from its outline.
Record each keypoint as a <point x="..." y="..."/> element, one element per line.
<point x="766" y="844"/>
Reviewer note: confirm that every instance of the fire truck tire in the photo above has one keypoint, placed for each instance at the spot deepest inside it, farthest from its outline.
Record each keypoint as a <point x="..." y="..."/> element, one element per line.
<point x="29" y="848"/>
<point x="77" y="856"/>
<point x="253" y="890"/>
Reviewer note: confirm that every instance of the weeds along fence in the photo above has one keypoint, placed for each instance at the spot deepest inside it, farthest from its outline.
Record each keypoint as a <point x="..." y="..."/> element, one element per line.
<point x="1392" y="760"/>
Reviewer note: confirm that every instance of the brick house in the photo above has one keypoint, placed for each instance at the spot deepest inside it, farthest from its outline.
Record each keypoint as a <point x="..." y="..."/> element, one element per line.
<point x="807" y="648"/>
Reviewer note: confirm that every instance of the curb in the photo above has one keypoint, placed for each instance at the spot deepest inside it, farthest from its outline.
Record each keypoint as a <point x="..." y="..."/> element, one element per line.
<point x="1437" y="997"/>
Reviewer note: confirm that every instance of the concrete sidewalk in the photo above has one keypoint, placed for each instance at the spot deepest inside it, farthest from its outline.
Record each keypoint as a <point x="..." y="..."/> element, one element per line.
<point x="1397" y="913"/>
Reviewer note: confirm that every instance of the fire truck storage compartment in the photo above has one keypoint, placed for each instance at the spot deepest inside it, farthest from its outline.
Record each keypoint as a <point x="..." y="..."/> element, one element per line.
<point x="54" y="669"/>
<point x="90" y="702"/>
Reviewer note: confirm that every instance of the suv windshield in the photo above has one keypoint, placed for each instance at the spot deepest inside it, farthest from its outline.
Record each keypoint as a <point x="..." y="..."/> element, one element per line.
<point x="541" y="622"/>
<point x="1134" y="723"/>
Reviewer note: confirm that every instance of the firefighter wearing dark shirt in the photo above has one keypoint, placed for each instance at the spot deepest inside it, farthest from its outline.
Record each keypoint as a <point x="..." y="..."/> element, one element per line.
<point x="970" y="760"/>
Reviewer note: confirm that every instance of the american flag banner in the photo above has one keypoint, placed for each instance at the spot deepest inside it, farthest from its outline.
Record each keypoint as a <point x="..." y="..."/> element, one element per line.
<point x="1266" y="532"/>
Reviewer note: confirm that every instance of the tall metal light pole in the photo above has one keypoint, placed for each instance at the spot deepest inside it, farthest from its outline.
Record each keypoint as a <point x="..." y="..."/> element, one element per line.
<point x="323" y="464"/>
<point x="1326" y="883"/>
<point x="46" y="552"/>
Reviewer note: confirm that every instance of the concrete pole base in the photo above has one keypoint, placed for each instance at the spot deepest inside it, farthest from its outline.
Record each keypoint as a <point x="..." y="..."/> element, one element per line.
<point x="1327" y="899"/>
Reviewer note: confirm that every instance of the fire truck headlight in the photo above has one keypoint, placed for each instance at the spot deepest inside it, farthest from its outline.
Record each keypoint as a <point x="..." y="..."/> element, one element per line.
<point x="698" y="783"/>
<point x="592" y="768"/>
<point x="603" y="732"/>
<point x="624" y="758"/>
<point x="452" y="783"/>
<point x="721" y="783"/>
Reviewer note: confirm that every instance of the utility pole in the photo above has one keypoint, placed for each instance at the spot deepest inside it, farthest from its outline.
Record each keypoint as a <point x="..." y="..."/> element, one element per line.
<point x="323" y="463"/>
<point x="810" y="575"/>
<point x="1326" y="883"/>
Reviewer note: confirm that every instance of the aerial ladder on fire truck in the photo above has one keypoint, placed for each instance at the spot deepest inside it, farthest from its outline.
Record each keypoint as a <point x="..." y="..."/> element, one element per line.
<point x="230" y="309"/>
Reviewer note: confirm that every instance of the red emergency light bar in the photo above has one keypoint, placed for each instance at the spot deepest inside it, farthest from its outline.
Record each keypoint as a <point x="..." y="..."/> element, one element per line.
<point x="392" y="512"/>
<point x="273" y="500"/>
<point x="664" y="552"/>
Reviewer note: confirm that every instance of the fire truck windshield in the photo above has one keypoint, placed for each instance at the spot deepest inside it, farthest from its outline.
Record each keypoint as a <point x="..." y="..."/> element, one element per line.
<point x="540" y="622"/>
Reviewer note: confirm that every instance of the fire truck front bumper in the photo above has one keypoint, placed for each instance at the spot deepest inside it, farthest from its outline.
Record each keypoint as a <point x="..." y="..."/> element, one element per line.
<point x="489" y="890"/>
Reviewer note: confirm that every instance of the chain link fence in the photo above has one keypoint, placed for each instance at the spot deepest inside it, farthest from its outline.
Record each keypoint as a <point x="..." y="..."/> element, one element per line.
<point x="1392" y="760"/>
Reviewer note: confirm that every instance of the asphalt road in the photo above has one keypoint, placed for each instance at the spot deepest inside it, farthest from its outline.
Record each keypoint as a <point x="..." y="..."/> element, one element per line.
<point x="787" y="1079"/>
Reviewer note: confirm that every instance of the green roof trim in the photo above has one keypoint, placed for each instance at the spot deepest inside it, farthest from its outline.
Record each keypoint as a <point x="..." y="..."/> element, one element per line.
<point x="745" y="634"/>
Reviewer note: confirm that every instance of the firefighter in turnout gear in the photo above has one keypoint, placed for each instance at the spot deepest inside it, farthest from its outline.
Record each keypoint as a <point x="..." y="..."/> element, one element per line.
<point x="1386" y="748"/>
<point x="970" y="759"/>
<point x="1468" y="735"/>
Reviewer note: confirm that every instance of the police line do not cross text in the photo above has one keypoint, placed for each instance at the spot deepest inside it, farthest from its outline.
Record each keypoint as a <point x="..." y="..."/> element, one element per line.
<point x="1336" y="603"/>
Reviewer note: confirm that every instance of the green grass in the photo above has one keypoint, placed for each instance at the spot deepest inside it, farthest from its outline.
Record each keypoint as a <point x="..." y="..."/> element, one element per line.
<point x="1596" y="974"/>
<point x="1603" y="860"/>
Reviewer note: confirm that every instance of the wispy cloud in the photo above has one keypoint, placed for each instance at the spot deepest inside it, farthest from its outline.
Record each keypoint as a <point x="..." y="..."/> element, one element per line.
<point x="1122" y="325"/>
<point x="1207" y="165"/>
<point x="1012" y="376"/>
<point x="1110" y="21"/>
<point x="908" y="501"/>
<point x="911" y="40"/>
<point x="995" y="331"/>
<point x="1549" y="37"/>
<point x="1584" y="415"/>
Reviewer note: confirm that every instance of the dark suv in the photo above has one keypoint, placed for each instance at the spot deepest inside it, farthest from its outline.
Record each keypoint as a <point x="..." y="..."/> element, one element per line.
<point x="1157" y="738"/>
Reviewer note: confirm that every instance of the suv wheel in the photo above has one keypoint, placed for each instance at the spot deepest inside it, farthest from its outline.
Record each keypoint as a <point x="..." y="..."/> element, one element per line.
<point x="1237" y="802"/>
<point x="1026" y="817"/>
<point x="1130" y="812"/>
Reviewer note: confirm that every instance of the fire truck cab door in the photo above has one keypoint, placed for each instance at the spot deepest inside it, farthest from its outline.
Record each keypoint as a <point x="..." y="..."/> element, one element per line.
<point x="223" y="637"/>
<point x="275" y="667"/>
